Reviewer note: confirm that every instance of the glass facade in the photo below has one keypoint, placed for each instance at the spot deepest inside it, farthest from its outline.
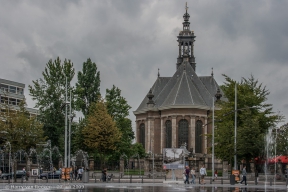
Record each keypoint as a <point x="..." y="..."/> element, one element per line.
<point x="11" y="89"/>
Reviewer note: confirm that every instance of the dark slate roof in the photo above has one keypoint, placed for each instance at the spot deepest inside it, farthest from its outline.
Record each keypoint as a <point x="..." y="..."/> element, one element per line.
<point x="184" y="90"/>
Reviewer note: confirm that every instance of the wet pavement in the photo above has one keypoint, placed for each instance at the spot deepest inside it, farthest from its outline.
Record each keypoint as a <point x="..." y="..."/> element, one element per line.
<point x="135" y="187"/>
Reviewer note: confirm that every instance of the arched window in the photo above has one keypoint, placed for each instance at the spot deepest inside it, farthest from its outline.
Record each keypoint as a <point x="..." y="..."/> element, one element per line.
<point x="183" y="132"/>
<point x="198" y="137"/>
<point x="168" y="134"/>
<point x="142" y="135"/>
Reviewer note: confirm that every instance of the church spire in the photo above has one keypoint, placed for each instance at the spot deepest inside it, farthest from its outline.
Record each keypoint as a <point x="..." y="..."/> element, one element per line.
<point x="186" y="16"/>
<point x="186" y="40"/>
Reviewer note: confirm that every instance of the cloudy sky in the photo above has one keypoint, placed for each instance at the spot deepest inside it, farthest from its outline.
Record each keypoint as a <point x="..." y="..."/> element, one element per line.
<point x="130" y="39"/>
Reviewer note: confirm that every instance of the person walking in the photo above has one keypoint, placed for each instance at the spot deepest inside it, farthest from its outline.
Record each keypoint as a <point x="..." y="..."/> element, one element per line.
<point x="215" y="174"/>
<point x="203" y="173"/>
<point x="104" y="174"/>
<point x="193" y="175"/>
<point x="80" y="172"/>
<point x="256" y="175"/>
<point x="24" y="173"/>
<point x="186" y="172"/>
<point x="244" y="173"/>
<point x="75" y="173"/>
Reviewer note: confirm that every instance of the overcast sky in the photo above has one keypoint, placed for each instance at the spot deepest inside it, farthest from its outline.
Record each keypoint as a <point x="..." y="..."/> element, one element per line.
<point x="129" y="40"/>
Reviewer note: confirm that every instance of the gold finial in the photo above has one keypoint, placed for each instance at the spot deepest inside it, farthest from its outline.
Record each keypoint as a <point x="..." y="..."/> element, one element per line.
<point x="212" y="74"/>
<point x="186" y="7"/>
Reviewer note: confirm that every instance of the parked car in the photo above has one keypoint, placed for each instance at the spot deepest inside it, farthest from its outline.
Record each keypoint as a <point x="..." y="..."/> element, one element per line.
<point x="19" y="174"/>
<point x="50" y="175"/>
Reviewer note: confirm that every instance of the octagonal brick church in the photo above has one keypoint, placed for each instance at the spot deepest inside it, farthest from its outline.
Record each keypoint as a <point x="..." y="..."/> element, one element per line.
<point x="177" y="109"/>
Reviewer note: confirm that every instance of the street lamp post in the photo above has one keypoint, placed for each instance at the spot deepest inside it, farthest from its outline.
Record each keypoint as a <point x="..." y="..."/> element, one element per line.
<point x="213" y="140"/>
<point x="65" y="145"/>
<point x="235" y="130"/>
<point x="66" y="151"/>
<point x="71" y="116"/>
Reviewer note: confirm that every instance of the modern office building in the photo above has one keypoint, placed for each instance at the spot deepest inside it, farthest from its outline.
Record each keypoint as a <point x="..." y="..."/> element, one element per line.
<point x="12" y="93"/>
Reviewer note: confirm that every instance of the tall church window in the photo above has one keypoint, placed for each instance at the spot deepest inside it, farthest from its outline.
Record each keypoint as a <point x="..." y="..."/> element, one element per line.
<point x="168" y="134"/>
<point x="142" y="135"/>
<point x="198" y="137"/>
<point x="182" y="132"/>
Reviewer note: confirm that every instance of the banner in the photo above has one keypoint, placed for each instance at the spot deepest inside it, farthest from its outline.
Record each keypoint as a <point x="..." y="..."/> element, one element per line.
<point x="174" y="158"/>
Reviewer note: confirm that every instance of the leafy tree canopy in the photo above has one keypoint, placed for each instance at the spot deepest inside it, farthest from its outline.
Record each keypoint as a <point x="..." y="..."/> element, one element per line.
<point x="88" y="86"/>
<point x="117" y="105"/>
<point x="118" y="108"/>
<point x="49" y="94"/>
<point x="254" y="117"/>
<point x="101" y="133"/>
<point x="20" y="129"/>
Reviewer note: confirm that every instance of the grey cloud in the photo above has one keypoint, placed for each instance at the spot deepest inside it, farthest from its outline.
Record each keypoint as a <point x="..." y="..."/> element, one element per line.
<point x="130" y="40"/>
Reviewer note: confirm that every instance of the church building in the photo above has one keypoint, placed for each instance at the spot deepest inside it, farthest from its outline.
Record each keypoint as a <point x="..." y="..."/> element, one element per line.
<point x="177" y="110"/>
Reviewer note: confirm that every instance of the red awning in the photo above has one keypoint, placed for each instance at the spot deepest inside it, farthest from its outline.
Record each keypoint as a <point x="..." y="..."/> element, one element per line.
<point x="281" y="158"/>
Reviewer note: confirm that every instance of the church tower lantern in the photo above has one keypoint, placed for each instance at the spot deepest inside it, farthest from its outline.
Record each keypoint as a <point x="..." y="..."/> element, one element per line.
<point x="186" y="40"/>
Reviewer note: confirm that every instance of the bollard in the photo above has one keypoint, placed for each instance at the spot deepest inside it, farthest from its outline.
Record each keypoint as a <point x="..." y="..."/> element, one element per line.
<point x="142" y="179"/>
<point x="271" y="181"/>
<point x="256" y="181"/>
<point x="8" y="180"/>
<point x="130" y="178"/>
<point x="21" y="179"/>
<point x="59" y="180"/>
<point x="95" y="179"/>
<point x="119" y="179"/>
<point x="222" y="181"/>
<point x="199" y="181"/>
<point x="286" y="181"/>
<point x="210" y="180"/>
<point x="165" y="177"/>
<point x="47" y="180"/>
<point x="176" y="178"/>
<point x="121" y="175"/>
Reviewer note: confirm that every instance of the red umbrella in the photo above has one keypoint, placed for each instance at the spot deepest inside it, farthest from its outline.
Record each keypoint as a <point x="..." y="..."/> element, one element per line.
<point x="282" y="159"/>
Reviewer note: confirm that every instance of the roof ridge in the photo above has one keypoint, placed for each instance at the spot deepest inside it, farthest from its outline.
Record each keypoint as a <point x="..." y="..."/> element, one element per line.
<point x="189" y="89"/>
<point x="178" y="87"/>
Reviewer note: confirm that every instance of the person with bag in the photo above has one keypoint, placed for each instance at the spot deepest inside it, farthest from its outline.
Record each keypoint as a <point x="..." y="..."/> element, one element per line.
<point x="186" y="173"/>
<point x="244" y="173"/>
<point x="193" y="175"/>
<point x="202" y="174"/>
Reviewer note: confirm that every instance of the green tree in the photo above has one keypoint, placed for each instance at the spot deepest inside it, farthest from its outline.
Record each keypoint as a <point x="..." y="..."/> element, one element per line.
<point x="19" y="129"/>
<point x="254" y="118"/>
<point x="117" y="105"/>
<point x="49" y="94"/>
<point x="282" y="142"/>
<point x="118" y="108"/>
<point x="101" y="133"/>
<point x="88" y="86"/>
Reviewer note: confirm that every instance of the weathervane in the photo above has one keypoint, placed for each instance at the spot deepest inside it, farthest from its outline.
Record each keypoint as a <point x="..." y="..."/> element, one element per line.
<point x="186" y="7"/>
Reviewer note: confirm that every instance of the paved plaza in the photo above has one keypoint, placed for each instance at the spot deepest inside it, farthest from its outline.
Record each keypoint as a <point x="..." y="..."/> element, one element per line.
<point x="137" y="185"/>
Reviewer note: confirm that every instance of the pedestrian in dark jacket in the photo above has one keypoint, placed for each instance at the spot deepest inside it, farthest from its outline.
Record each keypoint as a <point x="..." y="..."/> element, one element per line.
<point x="75" y="173"/>
<point x="244" y="173"/>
